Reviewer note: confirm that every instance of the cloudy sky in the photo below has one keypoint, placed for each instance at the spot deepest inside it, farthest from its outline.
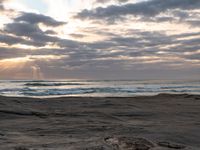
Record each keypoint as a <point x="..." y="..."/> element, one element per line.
<point x="100" y="39"/>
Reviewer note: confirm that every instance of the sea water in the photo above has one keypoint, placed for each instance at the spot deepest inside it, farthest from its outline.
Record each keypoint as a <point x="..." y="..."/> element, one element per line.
<point x="92" y="88"/>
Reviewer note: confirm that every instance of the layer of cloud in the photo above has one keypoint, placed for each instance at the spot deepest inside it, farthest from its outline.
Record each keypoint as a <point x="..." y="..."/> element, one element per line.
<point x="128" y="49"/>
<point x="33" y="18"/>
<point x="150" y="8"/>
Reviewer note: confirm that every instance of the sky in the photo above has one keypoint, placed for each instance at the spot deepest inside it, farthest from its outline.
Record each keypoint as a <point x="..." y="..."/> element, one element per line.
<point x="99" y="39"/>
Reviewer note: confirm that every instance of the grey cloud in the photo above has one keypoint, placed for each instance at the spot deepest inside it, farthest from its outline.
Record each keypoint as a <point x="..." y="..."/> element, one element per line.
<point x="101" y="1"/>
<point x="75" y="35"/>
<point x="69" y="43"/>
<point x="193" y="41"/>
<point x="184" y="45"/>
<point x="1" y="5"/>
<point x="144" y="44"/>
<point x="30" y="31"/>
<point x="6" y="53"/>
<point x="107" y="58"/>
<point x="106" y="1"/>
<point x="190" y="34"/>
<point x="11" y="40"/>
<point x="88" y="58"/>
<point x="51" y="32"/>
<point x="33" y="18"/>
<point x="148" y="44"/>
<point x="146" y="8"/>
<point x="195" y="23"/>
<point x="27" y="26"/>
<point x="144" y="39"/>
<point x="22" y="29"/>
<point x="181" y="14"/>
<point x="193" y="56"/>
<point x="34" y="35"/>
<point x="176" y="16"/>
<point x="4" y="10"/>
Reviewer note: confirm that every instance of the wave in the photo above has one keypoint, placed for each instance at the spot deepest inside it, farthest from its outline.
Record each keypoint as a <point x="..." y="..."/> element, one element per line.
<point x="57" y="92"/>
<point x="179" y="87"/>
<point x="72" y="91"/>
<point x="111" y="91"/>
<point x="80" y="88"/>
<point x="50" y="84"/>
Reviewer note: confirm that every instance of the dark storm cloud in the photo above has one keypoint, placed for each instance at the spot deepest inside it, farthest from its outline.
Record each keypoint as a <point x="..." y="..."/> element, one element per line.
<point x="146" y="8"/>
<point x="33" y="18"/>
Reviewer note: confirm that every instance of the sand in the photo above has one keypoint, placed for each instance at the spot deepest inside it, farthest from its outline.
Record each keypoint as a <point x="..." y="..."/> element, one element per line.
<point x="162" y="122"/>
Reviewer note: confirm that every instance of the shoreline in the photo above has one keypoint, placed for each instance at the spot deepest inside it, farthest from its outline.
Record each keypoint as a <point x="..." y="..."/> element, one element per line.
<point x="163" y="121"/>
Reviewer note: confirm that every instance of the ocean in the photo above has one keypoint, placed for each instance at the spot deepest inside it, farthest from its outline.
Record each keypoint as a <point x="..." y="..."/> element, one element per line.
<point x="92" y="88"/>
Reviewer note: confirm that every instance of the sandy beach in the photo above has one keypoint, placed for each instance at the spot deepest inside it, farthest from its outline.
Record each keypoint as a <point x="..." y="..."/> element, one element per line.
<point x="162" y="122"/>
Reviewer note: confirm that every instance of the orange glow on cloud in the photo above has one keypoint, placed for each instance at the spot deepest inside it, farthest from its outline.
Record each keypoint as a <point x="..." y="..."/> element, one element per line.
<point x="23" y="67"/>
<point x="13" y="63"/>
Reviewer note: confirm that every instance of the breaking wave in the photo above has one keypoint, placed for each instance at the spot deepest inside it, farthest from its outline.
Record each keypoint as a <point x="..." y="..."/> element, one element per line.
<point x="94" y="88"/>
